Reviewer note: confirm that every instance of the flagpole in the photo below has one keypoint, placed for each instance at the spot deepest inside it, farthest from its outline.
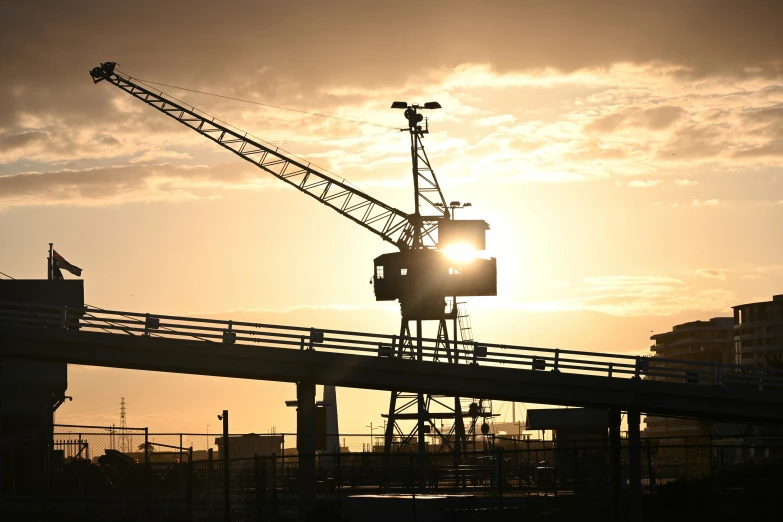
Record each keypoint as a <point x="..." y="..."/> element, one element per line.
<point x="51" y="261"/>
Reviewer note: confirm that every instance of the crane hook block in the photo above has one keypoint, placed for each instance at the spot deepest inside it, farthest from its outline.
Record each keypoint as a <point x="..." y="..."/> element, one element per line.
<point x="101" y="73"/>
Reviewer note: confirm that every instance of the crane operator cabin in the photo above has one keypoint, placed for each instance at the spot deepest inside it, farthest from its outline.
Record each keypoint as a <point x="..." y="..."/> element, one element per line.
<point x="422" y="278"/>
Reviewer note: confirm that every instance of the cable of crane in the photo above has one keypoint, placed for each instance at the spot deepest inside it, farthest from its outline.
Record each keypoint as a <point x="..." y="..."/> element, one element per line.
<point x="267" y="104"/>
<point x="8" y="276"/>
<point x="215" y="118"/>
<point x="356" y="136"/>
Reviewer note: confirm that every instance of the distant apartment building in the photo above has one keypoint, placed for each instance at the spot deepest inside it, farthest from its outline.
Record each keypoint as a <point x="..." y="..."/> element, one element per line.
<point x="758" y="332"/>
<point x="700" y="341"/>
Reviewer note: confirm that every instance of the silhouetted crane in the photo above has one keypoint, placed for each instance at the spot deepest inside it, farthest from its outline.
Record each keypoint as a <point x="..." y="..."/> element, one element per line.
<point x="421" y="276"/>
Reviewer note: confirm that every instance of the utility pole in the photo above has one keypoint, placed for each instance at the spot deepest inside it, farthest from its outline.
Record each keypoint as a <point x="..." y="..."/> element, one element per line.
<point x="50" y="268"/>
<point x="372" y="430"/>
<point x="123" y="428"/>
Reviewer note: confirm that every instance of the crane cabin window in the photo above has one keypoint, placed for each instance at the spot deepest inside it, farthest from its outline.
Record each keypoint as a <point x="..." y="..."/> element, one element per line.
<point x="403" y="271"/>
<point x="379" y="272"/>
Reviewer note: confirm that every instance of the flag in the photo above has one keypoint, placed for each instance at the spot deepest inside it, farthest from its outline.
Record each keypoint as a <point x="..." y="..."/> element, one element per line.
<point x="60" y="262"/>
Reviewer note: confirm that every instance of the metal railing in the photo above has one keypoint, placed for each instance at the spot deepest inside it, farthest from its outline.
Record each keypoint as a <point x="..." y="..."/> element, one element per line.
<point x="219" y="331"/>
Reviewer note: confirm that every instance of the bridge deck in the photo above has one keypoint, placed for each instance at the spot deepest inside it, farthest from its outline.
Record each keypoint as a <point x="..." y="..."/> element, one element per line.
<point x="360" y="360"/>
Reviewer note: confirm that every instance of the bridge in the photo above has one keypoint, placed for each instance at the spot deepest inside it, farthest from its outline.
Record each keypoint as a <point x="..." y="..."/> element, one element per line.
<point x="306" y="356"/>
<point x="140" y="341"/>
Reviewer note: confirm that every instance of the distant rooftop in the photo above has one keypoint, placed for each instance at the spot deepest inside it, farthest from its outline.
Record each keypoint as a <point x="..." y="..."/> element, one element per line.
<point x="776" y="298"/>
<point x="726" y="323"/>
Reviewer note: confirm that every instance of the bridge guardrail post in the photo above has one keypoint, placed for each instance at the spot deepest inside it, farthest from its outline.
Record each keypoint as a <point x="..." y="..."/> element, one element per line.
<point x="151" y="323"/>
<point x="229" y="336"/>
<point x="316" y="337"/>
<point x="642" y="366"/>
<point x="557" y="361"/>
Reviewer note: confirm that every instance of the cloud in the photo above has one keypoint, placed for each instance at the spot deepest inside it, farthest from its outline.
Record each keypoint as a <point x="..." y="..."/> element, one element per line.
<point x="706" y="203"/>
<point x="685" y="182"/>
<point x="494" y="121"/>
<point x="654" y="118"/>
<point x="627" y="295"/>
<point x="713" y="273"/>
<point x="637" y="183"/>
<point x="120" y="184"/>
<point x="576" y="111"/>
<point x="157" y="155"/>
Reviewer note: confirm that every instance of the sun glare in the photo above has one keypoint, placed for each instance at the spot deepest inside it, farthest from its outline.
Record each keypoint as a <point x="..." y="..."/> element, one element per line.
<point x="462" y="253"/>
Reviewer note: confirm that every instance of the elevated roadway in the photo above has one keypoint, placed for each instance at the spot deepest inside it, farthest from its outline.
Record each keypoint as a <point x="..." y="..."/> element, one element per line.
<point x="371" y="361"/>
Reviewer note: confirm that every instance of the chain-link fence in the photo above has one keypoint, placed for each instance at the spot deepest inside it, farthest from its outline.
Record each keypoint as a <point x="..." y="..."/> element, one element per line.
<point x="106" y="473"/>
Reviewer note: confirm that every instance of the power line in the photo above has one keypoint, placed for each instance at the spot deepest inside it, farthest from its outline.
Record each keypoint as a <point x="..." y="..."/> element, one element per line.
<point x="8" y="276"/>
<point x="265" y="104"/>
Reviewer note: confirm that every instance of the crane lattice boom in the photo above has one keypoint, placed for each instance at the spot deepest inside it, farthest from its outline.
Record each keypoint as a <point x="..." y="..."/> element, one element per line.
<point x="391" y="224"/>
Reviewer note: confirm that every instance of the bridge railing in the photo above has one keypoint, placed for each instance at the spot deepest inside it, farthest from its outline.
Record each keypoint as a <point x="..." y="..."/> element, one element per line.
<point x="220" y="331"/>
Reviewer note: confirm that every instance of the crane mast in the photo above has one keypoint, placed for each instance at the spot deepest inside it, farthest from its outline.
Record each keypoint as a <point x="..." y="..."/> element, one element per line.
<point x="420" y="275"/>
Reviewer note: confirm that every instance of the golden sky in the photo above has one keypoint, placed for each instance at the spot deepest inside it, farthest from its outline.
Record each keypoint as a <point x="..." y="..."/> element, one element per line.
<point x="627" y="155"/>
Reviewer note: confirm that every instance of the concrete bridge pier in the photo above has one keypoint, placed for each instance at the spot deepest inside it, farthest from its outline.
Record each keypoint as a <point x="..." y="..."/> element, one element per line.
<point x="305" y="438"/>
<point x="635" y="463"/>
<point x="615" y="459"/>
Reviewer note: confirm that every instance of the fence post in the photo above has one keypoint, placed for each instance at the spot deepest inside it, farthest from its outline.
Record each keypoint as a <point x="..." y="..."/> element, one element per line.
<point x="226" y="465"/>
<point x="260" y="476"/>
<point x="190" y="482"/>
<point x="413" y="486"/>
<point x="339" y="483"/>
<point x="274" y="479"/>
<point x="578" y="478"/>
<point x="501" y="476"/>
<point x="146" y="473"/>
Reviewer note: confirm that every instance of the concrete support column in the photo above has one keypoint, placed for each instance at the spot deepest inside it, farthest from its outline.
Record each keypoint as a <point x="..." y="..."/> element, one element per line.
<point x="635" y="463"/>
<point x="305" y="438"/>
<point x="615" y="459"/>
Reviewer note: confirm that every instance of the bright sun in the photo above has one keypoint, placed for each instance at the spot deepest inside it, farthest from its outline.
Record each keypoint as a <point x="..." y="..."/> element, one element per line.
<point x="461" y="252"/>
